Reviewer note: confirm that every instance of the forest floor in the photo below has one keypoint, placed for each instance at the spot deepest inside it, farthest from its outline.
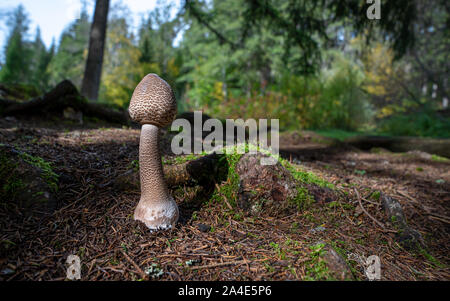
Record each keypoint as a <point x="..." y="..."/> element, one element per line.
<point x="94" y="219"/>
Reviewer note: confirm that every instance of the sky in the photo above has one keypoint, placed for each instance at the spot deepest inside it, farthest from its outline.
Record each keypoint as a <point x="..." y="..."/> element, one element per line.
<point x="52" y="16"/>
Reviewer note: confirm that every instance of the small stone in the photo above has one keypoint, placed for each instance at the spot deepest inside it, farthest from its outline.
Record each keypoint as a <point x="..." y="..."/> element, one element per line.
<point x="272" y="183"/>
<point x="203" y="228"/>
<point x="410" y="238"/>
<point x="10" y="119"/>
<point x="317" y="229"/>
<point x="337" y="266"/>
<point x="296" y="161"/>
<point x="358" y="211"/>
<point x="192" y="262"/>
<point x="394" y="211"/>
<point x="7" y="271"/>
<point x="406" y="235"/>
<point x="420" y="155"/>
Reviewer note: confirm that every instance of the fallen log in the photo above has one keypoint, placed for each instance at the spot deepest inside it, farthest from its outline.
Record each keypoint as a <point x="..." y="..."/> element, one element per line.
<point x="439" y="147"/>
<point x="205" y="171"/>
<point x="63" y="96"/>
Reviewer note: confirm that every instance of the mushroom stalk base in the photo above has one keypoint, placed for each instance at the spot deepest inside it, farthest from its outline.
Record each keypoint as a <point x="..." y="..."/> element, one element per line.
<point x="156" y="208"/>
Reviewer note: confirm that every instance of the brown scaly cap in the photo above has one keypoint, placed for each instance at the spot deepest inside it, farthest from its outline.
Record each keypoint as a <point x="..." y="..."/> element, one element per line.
<point x="153" y="102"/>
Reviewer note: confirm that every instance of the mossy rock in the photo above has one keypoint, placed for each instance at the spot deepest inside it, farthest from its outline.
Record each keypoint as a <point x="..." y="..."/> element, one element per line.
<point x="266" y="189"/>
<point x="406" y="236"/>
<point x="26" y="181"/>
<point x="327" y="264"/>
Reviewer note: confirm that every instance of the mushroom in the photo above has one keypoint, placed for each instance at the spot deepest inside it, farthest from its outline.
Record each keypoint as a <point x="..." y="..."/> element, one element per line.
<point x="153" y="105"/>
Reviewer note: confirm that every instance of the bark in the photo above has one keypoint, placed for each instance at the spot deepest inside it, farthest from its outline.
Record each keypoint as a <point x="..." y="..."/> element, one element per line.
<point x="93" y="70"/>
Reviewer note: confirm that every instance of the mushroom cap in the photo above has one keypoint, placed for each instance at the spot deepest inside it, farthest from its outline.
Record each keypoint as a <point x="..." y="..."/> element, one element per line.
<point x="153" y="102"/>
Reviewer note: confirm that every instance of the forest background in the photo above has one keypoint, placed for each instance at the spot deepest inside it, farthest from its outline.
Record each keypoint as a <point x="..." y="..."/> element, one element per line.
<point x="331" y="74"/>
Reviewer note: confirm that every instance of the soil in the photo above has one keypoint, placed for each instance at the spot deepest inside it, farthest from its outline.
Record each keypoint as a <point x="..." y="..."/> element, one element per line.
<point x="94" y="219"/>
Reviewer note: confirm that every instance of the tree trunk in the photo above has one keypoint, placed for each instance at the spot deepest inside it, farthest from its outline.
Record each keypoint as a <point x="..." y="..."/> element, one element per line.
<point x="93" y="70"/>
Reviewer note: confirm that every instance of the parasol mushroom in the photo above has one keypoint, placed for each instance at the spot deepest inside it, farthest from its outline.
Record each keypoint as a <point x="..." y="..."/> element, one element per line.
<point x="153" y="105"/>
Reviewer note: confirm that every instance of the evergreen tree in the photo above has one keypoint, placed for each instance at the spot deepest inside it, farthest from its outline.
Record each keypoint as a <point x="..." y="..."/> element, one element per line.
<point x="122" y="66"/>
<point x="17" y="53"/>
<point x="157" y="34"/>
<point x="41" y="71"/>
<point x="70" y="57"/>
<point x="40" y="60"/>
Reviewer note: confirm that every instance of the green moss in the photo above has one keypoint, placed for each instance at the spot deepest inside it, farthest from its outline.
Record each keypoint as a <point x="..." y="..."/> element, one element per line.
<point x="337" y="134"/>
<point x="430" y="258"/>
<point x="303" y="199"/>
<point x="378" y="150"/>
<point x="279" y="251"/>
<point x="11" y="184"/>
<point x="316" y="267"/>
<point x="50" y="177"/>
<point x="375" y="195"/>
<point x="295" y="226"/>
<point x="305" y="176"/>
<point x="134" y="165"/>
<point x="360" y="172"/>
<point x="439" y="158"/>
<point x="182" y="159"/>
<point x="230" y="188"/>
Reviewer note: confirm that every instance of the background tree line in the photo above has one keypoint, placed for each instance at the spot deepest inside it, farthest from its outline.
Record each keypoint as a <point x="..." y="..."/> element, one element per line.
<point x="312" y="64"/>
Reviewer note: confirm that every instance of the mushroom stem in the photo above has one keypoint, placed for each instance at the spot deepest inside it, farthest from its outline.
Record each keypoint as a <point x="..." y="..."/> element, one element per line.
<point x="156" y="208"/>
